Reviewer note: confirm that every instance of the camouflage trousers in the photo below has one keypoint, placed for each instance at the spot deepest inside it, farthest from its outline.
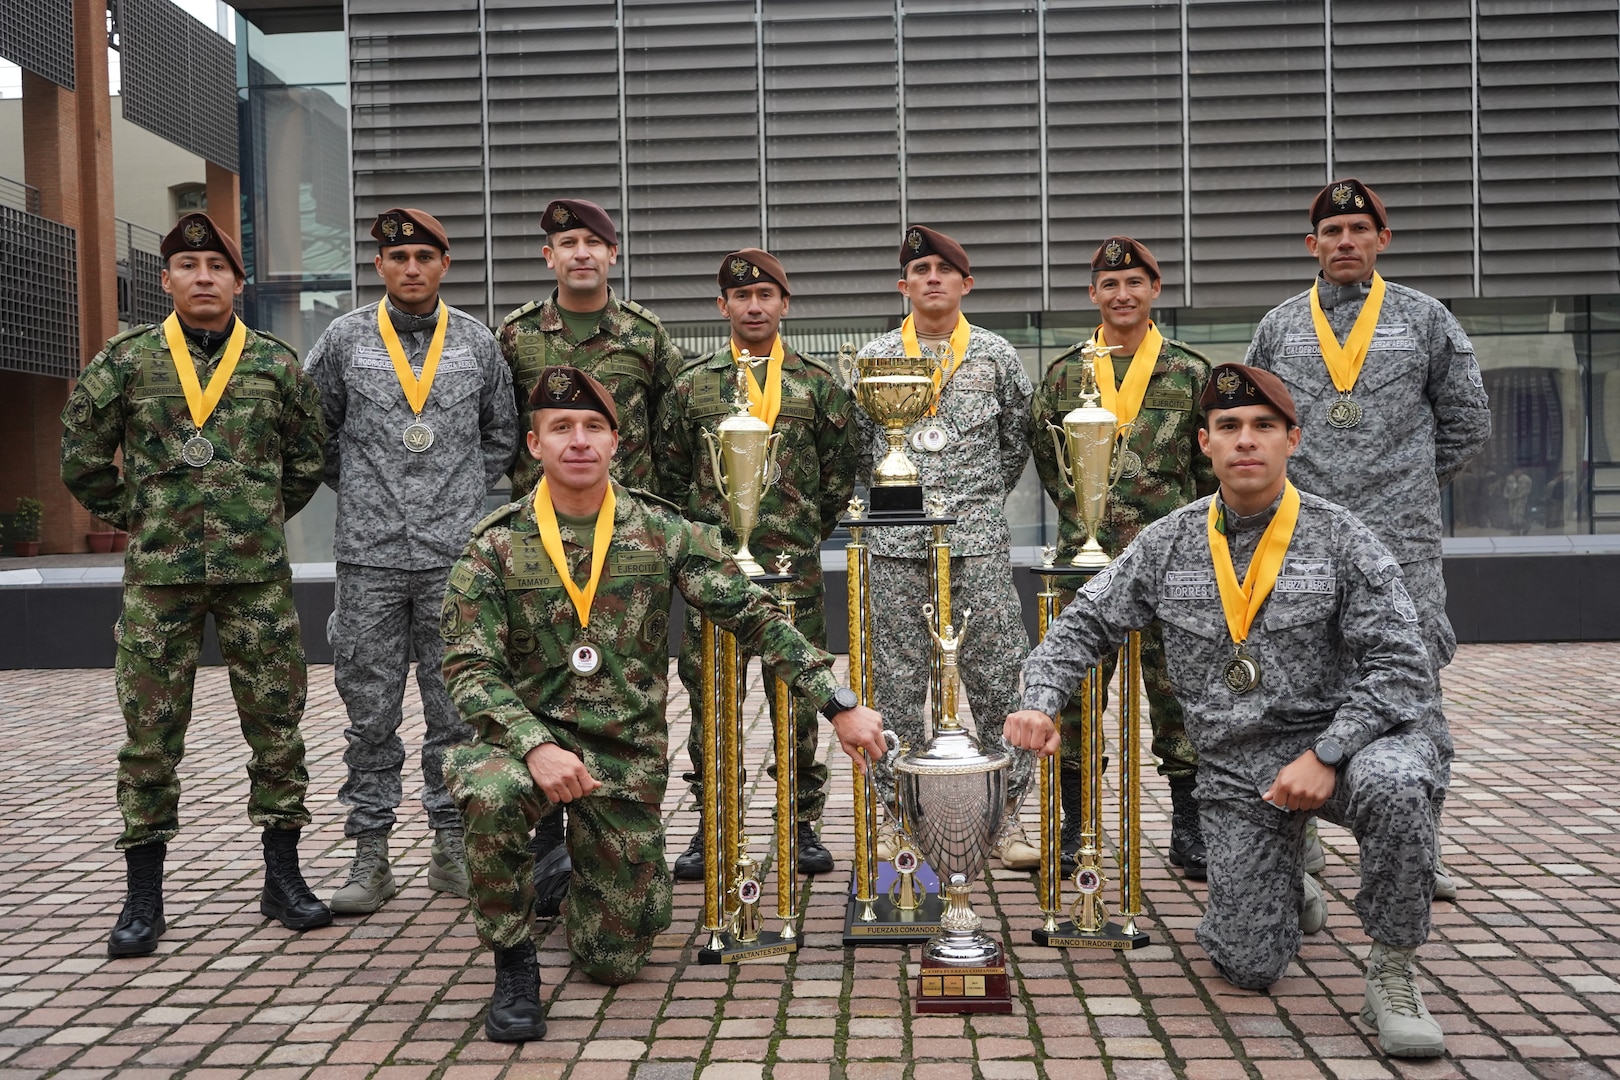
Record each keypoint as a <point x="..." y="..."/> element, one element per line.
<point x="159" y="636"/>
<point x="620" y="897"/>
<point x="810" y="616"/>
<point x="382" y="615"/>
<point x="1177" y="756"/>
<point x="1251" y="927"/>
<point x="993" y="649"/>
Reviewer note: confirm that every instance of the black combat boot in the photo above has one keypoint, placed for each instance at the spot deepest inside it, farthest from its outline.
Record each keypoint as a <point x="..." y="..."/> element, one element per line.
<point x="286" y="898"/>
<point x="140" y="924"/>
<point x="1186" y="834"/>
<point x="1074" y="799"/>
<point x="814" y="858"/>
<point x="553" y="869"/>
<point x="514" y="1009"/>
<point x="689" y="863"/>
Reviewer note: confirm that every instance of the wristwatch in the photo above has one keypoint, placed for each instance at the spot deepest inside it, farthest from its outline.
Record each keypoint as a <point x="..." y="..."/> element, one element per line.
<point x="1329" y="752"/>
<point x="843" y="698"/>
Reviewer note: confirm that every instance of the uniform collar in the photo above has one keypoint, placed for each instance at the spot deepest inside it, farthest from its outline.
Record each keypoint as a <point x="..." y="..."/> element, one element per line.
<point x="208" y="341"/>
<point x="406" y="323"/>
<point x="551" y="312"/>
<point x="1332" y="295"/>
<point x="1237" y="523"/>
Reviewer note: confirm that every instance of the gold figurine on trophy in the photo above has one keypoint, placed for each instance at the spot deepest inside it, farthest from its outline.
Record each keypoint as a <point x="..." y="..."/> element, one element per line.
<point x="744" y="458"/>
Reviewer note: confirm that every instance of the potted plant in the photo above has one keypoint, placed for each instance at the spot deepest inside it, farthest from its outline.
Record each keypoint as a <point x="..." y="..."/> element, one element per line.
<point x="25" y="527"/>
<point x="102" y="539"/>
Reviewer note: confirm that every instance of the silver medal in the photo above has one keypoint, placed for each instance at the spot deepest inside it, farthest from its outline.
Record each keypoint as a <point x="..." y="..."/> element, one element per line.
<point x="1242" y="673"/>
<point x="418" y="437"/>
<point x="197" y="452"/>
<point x="586" y="659"/>
<point x="1130" y="465"/>
<point x="1344" y="413"/>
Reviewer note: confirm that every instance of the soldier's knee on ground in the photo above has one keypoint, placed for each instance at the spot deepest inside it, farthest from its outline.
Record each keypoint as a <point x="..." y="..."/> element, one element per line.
<point x="1250" y="968"/>
<point x="612" y="961"/>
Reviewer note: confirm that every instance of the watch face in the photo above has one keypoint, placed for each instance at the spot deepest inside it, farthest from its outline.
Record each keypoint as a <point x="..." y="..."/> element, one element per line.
<point x="1328" y="752"/>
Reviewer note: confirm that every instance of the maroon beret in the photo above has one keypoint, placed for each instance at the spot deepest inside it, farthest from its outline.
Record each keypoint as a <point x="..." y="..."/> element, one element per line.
<point x="197" y="232"/>
<point x="921" y="241"/>
<point x="403" y="225"/>
<point x="1348" y="196"/>
<point x="564" y="214"/>
<point x="748" y="267"/>
<point x="570" y="388"/>
<point x="1123" y="253"/>
<point x="1232" y="386"/>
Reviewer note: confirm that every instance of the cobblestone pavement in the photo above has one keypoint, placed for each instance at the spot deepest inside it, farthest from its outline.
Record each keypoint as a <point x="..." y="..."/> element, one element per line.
<point x="1523" y="971"/>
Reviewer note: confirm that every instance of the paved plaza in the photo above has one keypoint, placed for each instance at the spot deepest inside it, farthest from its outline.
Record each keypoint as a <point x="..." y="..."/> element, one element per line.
<point x="1522" y="972"/>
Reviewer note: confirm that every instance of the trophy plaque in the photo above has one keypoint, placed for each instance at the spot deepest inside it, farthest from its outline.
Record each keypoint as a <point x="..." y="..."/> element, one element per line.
<point x="952" y="799"/>
<point x="744" y="458"/>
<point x="896" y="392"/>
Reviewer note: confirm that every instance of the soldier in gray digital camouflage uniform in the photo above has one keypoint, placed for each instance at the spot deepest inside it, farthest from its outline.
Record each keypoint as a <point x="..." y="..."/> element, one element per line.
<point x="1308" y="694"/>
<point x="973" y="464"/>
<point x="557" y="623"/>
<point x="410" y="474"/>
<point x="1416" y="415"/>
<point x="219" y="434"/>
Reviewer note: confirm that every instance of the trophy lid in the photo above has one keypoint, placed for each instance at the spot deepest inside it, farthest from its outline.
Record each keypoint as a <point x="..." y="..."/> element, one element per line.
<point x="953" y="750"/>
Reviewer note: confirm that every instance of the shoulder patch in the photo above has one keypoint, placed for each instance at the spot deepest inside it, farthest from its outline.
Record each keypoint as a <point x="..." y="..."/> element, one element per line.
<point x="99" y="383"/>
<point x="640" y="312"/>
<point x="495" y="517"/>
<point x="532" y="305"/>
<point x="464" y="580"/>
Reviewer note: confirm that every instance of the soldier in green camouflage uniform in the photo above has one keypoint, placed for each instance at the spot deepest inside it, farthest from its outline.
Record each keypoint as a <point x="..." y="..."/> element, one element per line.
<point x="205" y="509"/>
<point x="1166" y="472"/>
<point x="584" y="324"/>
<point x="810" y="488"/>
<point x="574" y="714"/>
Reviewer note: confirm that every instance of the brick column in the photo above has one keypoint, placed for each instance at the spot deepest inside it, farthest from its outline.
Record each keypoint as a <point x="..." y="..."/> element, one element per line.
<point x="225" y="200"/>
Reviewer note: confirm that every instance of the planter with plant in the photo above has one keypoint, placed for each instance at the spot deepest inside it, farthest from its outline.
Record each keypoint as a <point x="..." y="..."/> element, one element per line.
<point x="25" y="527"/>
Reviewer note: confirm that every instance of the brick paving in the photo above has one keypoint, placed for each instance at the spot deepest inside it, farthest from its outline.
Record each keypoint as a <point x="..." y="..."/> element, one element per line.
<point x="1523" y="972"/>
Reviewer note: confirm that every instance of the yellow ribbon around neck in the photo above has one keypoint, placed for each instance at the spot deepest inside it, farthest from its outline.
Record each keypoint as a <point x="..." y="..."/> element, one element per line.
<point x="202" y="402"/>
<point x="1241" y="603"/>
<point x="764" y="402"/>
<point x="1344" y="364"/>
<point x="551" y="540"/>
<point x="416" y="390"/>
<point x="1125" y="399"/>
<point x="959" y="347"/>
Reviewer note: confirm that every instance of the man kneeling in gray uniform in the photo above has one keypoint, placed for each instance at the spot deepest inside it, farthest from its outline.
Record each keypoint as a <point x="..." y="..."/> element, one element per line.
<point x="1305" y="689"/>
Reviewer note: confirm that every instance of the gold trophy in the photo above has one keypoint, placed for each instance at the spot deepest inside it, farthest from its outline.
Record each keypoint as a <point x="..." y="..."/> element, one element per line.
<point x="895" y="391"/>
<point x="744" y="459"/>
<point x="1086" y="458"/>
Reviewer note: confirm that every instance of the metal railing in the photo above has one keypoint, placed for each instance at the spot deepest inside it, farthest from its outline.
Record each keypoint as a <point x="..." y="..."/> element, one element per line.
<point x="19" y="196"/>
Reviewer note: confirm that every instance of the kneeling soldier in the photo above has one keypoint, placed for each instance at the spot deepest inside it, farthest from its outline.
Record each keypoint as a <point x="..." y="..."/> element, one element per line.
<point x="1306" y="689"/>
<point x="556" y="626"/>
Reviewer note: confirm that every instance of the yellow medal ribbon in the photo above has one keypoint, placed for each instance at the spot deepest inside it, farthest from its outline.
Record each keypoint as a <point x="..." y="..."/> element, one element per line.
<point x="1344" y="364"/>
<point x="416" y="390"/>
<point x="1125" y="399"/>
<point x="551" y="540"/>
<point x="765" y="403"/>
<point x="1241" y="603"/>
<point x="202" y="402"/>
<point x="959" y="346"/>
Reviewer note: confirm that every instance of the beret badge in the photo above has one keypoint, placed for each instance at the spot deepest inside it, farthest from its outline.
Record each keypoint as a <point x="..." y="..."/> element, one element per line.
<point x="914" y="240"/>
<point x="389" y="227"/>
<point x="740" y="268"/>
<point x="1228" y="382"/>
<point x="560" y="386"/>
<point x="1342" y="195"/>
<point x="407" y="228"/>
<point x="1113" y="253"/>
<point x="196" y="233"/>
<point x="561" y="215"/>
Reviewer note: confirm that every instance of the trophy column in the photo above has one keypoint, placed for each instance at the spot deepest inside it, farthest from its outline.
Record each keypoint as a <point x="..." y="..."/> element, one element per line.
<point x="733" y="887"/>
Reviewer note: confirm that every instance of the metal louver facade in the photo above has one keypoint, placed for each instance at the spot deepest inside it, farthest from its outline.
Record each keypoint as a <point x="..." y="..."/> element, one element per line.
<point x="1030" y="131"/>
<point x="38" y="35"/>
<point x="178" y="79"/>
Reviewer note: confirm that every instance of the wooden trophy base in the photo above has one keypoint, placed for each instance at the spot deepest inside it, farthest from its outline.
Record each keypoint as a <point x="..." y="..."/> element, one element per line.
<point x="769" y="943"/>
<point x="1111" y="936"/>
<point x="954" y="990"/>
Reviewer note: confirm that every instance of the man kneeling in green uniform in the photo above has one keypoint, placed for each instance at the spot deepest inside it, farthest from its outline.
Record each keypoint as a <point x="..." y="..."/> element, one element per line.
<point x="556" y="624"/>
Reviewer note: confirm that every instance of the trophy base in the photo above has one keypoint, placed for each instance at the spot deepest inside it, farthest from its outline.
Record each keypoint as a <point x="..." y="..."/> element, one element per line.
<point x="769" y="943"/>
<point x="896" y="499"/>
<point x="894" y="925"/>
<point x="960" y="989"/>
<point x="1112" y="936"/>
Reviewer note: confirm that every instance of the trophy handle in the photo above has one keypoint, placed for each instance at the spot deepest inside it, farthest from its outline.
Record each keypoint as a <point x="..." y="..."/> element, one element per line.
<point x="772" y="444"/>
<point x="1060" y="446"/>
<point x="713" y="442"/>
<point x="1117" y="455"/>
<point x="847" y="365"/>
